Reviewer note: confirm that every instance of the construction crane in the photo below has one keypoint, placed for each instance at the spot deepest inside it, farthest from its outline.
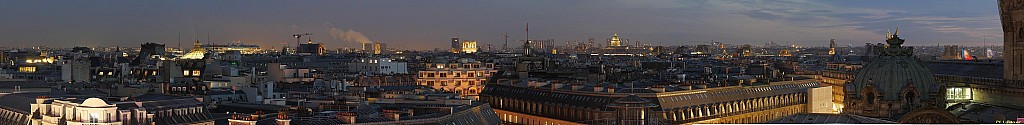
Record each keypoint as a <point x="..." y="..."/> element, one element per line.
<point x="299" y="36"/>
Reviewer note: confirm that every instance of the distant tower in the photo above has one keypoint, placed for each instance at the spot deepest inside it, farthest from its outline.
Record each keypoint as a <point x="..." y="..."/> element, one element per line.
<point x="832" y="47"/>
<point x="456" y="45"/>
<point x="590" y="42"/>
<point x="526" y="45"/>
<point x="1012" y="14"/>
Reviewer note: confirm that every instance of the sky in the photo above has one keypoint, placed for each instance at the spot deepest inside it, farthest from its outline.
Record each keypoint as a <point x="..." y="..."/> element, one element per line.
<point x="425" y="25"/>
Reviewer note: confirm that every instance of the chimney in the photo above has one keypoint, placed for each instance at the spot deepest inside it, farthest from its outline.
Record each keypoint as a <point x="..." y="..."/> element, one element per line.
<point x="700" y="86"/>
<point x="658" y="88"/>
<point x="576" y="86"/>
<point x="40" y="99"/>
<point x="557" y="85"/>
<point x="282" y="118"/>
<point x="347" y="117"/>
<point x="392" y="114"/>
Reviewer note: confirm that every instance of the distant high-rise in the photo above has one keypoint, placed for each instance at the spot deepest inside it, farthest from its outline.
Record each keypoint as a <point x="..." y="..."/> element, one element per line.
<point x="312" y="48"/>
<point x="832" y="47"/>
<point x="379" y="48"/>
<point x="456" y="45"/>
<point x="469" y="46"/>
<point x="1011" y="12"/>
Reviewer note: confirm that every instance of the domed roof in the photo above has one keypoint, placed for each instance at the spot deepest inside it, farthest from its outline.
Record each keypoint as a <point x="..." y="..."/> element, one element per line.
<point x="892" y="71"/>
<point x="197" y="52"/>
<point x="94" y="102"/>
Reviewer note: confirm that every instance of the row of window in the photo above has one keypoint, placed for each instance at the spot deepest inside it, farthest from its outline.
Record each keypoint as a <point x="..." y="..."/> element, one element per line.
<point x="441" y="66"/>
<point x="445" y="83"/>
<point x="427" y="74"/>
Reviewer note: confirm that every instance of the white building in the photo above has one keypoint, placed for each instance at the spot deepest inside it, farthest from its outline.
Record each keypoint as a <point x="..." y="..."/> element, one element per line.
<point x="282" y="73"/>
<point x="385" y="66"/>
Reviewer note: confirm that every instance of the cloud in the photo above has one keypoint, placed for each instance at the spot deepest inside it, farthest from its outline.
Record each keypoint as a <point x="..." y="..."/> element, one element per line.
<point x="349" y="35"/>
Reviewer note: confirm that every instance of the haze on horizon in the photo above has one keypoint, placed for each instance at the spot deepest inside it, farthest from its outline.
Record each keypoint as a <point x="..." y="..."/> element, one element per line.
<point x="425" y="25"/>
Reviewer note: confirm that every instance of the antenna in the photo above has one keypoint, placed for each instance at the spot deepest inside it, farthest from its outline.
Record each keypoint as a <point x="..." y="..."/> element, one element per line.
<point x="196" y="31"/>
<point x="179" y="40"/>
<point x="504" y="46"/>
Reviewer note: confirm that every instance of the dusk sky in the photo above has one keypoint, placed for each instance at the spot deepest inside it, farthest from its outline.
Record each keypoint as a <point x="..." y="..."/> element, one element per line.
<point x="423" y="25"/>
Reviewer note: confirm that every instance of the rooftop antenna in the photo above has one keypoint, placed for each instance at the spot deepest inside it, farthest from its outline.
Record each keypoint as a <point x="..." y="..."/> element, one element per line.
<point x="179" y="40"/>
<point x="504" y="46"/>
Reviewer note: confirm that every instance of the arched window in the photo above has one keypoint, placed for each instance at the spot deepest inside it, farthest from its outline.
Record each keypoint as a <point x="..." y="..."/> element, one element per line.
<point x="911" y="98"/>
<point x="870" y="96"/>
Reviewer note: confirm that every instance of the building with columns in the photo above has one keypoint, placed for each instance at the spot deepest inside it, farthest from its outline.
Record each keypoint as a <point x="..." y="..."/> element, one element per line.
<point x="539" y="103"/>
<point x="57" y="108"/>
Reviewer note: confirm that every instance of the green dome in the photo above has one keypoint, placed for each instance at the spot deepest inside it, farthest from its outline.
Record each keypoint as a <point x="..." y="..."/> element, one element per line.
<point x="892" y="72"/>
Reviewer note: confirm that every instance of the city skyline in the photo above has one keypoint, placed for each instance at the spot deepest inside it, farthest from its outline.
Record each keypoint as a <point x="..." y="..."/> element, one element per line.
<point x="427" y="25"/>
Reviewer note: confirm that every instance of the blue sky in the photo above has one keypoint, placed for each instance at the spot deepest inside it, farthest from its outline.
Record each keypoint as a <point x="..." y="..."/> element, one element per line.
<point x="409" y="24"/>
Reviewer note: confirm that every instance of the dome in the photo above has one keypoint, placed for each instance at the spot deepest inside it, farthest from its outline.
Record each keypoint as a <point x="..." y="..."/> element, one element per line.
<point x="197" y="52"/>
<point x="892" y="72"/>
<point x="94" y="102"/>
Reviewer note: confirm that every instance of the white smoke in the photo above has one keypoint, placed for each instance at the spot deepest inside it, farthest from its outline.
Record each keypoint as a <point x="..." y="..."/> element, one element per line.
<point x="349" y="35"/>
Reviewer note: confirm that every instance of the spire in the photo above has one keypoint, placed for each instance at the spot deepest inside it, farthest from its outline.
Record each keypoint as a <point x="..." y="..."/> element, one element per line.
<point x="198" y="45"/>
<point x="887" y="35"/>
<point x="897" y="31"/>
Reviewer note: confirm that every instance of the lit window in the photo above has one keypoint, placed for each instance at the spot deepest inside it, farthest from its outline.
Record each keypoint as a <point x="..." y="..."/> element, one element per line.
<point x="27" y="69"/>
<point x="958" y="93"/>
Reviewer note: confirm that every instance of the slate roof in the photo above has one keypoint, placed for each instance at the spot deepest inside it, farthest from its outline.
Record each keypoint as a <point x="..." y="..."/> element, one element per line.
<point x="985" y="113"/>
<point x="981" y="70"/>
<point x="815" y="118"/>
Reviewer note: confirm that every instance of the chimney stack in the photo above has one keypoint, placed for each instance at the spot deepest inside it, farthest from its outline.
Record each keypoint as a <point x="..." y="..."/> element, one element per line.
<point x="393" y="114"/>
<point x="347" y="117"/>
<point x="576" y="86"/>
<point x="658" y="88"/>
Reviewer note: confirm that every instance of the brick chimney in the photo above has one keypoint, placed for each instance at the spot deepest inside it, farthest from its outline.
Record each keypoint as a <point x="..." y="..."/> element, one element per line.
<point x="658" y="88"/>
<point x="700" y="86"/>
<point x="282" y="118"/>
<point x="393" y="114"/>
<point x="347" y="117"/>
<point x="576" y="86"/>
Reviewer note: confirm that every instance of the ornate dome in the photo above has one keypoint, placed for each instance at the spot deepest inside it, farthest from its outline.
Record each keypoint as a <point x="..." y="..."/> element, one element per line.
<point x="894" y="70"/>
<point x="892" y="83"/>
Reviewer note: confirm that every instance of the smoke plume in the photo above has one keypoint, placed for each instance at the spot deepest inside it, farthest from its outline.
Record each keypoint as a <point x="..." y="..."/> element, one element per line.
<point x="349" y="35"/>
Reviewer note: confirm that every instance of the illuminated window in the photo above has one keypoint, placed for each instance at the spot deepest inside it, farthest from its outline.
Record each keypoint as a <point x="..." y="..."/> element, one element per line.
<point x="195" y="72"/>
<point x="958" y="93"/>
<point x="27" y="69"/>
